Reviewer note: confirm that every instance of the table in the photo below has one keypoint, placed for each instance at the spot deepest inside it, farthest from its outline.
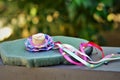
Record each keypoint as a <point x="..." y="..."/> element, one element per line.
<point x="64" y="72"/>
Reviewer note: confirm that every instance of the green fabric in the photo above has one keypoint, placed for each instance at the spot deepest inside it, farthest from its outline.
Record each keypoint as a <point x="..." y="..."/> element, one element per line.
<point x="14" y="53"/>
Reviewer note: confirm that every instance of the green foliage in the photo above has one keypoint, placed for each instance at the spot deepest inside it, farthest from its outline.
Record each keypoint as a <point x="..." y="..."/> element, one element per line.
<point x="90" y="17"/>
<point x="79" y="18"/>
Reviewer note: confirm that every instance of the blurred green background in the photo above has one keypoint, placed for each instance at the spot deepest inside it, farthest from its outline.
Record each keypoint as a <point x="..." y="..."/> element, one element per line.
<point x="88" y="19"/>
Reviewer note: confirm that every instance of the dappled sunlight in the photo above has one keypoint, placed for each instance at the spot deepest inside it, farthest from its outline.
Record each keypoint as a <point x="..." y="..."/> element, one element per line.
<point x="98" y="18"/>
<point x="80" y="18"/>
<point x="49" y="18"/>
<point x="25" y="33"/>
<point x="110" y="17"/>
<point x="35" y="20"/>
<point x="100" y="6"/>
<point x="21" y="20"/>
<point x="116" y="18"/>
<point x="5" y="33"/>
<point x="56" y="14"/>
<point x="113" y="17"/>
<point x="33" y="11"/>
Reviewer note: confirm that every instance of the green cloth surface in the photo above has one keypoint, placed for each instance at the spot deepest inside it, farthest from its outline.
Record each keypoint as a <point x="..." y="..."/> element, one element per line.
<point x="14" y="53"/>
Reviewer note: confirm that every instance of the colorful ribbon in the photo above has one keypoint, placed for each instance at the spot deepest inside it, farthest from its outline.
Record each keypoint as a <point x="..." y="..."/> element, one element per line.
<point x="68" y="51"/>
<point x="89" y="63"/>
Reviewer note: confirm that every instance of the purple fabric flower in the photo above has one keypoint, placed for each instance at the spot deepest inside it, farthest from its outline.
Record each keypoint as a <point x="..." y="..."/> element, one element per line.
<point x="47" y="45"/>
